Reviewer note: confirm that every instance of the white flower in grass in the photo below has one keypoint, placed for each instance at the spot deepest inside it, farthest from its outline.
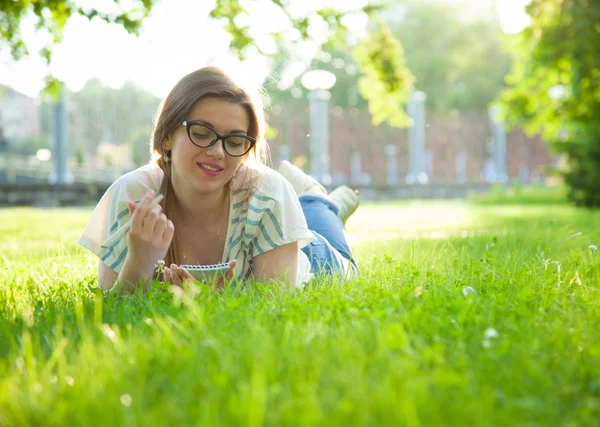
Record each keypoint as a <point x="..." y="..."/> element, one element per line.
<point x="160" y="266"/>
<point x="490" y="333"/>
<point x="70" y="380"/>
<point x="489" y="336"/>
<point x="126" y="400"/>
<point x="467" y="290"/>
<point x="593" y="249"/>
<point x="107" y="330"/>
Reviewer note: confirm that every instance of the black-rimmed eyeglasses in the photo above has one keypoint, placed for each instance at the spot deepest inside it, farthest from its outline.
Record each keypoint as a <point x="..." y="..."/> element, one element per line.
<point x="204" y="136"/>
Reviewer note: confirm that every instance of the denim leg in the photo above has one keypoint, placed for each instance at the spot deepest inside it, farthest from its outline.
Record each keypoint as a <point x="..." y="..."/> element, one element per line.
<point x="328" y="229"/>
<point x="322" y="256"/>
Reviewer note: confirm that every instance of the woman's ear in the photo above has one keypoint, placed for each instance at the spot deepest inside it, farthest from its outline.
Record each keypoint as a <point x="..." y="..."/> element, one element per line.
<point x="166" y="143"/>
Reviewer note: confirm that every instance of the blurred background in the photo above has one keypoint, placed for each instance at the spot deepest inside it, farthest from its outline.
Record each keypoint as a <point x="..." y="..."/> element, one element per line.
<point x="435" y="98"/>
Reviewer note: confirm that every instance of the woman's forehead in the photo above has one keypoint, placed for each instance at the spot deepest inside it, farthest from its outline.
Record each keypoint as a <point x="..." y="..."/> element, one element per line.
<point x="222" y="114"/>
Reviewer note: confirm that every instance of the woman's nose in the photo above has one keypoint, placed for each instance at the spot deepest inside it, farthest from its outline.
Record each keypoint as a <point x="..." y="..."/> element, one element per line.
<point x="216" y="150"/>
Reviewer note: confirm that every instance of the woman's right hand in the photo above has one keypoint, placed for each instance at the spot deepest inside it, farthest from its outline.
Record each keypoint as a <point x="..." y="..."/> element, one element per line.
<point x="150" y="234"/>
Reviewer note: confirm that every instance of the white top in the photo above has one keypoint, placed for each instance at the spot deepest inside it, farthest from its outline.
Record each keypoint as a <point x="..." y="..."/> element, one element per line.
<point x="264" y="213"/>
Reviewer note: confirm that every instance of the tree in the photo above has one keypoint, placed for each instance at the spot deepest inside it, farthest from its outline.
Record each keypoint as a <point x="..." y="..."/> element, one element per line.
<point x="458" y="60"/>
<point x="52" y="15"/>
<point x="555" y="88"/>
<point x="385" y="83"/>
<point x="117" y="116"/>
<point x="385" y="75"/>
<point x="464" y="69"/>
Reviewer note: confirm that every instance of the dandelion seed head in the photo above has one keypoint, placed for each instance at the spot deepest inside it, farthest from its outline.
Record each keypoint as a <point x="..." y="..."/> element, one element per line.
<point x="126" y="400"/>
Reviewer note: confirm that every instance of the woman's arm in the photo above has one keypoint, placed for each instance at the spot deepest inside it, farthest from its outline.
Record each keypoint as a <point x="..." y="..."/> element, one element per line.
<point x="148" y="240"/>
<point x="277" y="264"/>
<point x="106" y="276"/>
<point x="128" y="278"/>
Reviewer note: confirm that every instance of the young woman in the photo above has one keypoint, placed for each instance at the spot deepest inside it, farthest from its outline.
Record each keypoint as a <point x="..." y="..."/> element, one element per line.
<point x="220" y="204"/>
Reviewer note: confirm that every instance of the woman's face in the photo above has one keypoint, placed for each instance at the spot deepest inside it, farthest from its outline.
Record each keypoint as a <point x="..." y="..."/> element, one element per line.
<point x="206" y="170"/>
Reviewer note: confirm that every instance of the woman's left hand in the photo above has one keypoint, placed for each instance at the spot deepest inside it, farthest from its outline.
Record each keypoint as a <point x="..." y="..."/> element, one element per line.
<point x="177" y="276"/>
<point x="228" y="276"/>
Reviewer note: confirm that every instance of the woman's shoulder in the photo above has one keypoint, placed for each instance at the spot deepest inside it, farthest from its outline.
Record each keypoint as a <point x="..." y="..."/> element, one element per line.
<point x="264" y="181"/>
<point x="142" y="179"/>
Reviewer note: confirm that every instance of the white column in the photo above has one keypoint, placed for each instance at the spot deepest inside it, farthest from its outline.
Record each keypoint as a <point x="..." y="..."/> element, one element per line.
<point x="416" y="110"/>
<point x="61" y="146"/>
<point x="319" y="135"/>
<point x="392" y="164"/>
<point x="499" y="154"/>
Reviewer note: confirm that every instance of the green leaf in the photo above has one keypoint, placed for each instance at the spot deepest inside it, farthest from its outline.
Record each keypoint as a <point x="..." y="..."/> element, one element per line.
<point x="387" y="82"/>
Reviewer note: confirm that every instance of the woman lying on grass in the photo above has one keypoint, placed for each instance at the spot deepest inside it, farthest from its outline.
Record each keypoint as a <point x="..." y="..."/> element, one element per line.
<point x="220" y="202"/>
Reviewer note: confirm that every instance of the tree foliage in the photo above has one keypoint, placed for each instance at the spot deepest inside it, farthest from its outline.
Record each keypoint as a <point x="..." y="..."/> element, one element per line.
<point x="52" y="15"/>
<point x="386" y="81"/>
<point x="116" y="116"/>
<point x="555" y="88"/>
<point x="464" y="69"/>
<point x="458" y="60"/>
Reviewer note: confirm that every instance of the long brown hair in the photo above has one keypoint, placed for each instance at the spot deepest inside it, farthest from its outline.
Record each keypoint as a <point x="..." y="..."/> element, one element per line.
<point x="174" y="109"/>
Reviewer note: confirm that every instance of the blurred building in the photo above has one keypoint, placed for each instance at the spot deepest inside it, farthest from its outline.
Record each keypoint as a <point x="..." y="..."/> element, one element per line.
<point x="459" y="146"/>
<point x="360" y="152"/>
<point x="19" y="115"/>
<point x="113" y="155"/>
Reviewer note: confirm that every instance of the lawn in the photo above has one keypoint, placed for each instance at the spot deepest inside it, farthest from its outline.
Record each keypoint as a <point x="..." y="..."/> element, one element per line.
<point x="465" y="314"/>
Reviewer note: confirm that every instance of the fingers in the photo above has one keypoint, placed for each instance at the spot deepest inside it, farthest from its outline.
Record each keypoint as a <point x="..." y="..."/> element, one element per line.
<point x="140" y="213"/>
<point x="131" y="206"/>
<point x="184" y="274"/>
<point x="177" y="275"/>
<point x="149" y="222"/>
<point x="174" y="277"/>
<point x="167" y="275"/>
<point x="228" y="275"/>
<point x="159" y="228"/>
<point x="168" y="233"/>
<point x="230" y="272"/>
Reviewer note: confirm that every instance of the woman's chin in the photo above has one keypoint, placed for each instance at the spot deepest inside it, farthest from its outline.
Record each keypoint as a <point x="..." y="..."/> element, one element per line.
<point x="209" y="186"/>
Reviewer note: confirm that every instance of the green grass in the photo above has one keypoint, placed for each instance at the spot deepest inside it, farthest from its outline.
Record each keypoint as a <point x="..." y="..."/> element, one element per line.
<point x="515" y="193"/>
<point x="400" y="346"/>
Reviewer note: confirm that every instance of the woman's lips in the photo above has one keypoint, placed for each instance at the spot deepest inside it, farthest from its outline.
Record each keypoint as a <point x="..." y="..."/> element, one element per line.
<point x="210" y="169"/>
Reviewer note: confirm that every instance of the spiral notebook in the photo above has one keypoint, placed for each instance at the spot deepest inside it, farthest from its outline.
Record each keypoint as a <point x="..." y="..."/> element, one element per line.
<point x="207" y="273"/>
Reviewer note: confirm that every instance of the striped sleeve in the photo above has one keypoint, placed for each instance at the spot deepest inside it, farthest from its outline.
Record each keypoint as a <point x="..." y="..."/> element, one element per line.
<point x="110" y="214"/>
<point x="275" y="220"/>
<point x="114" y="256"/>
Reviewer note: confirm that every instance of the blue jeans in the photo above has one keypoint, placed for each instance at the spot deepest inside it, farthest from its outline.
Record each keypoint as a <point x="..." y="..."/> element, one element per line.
<point x="328" y="232"/>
